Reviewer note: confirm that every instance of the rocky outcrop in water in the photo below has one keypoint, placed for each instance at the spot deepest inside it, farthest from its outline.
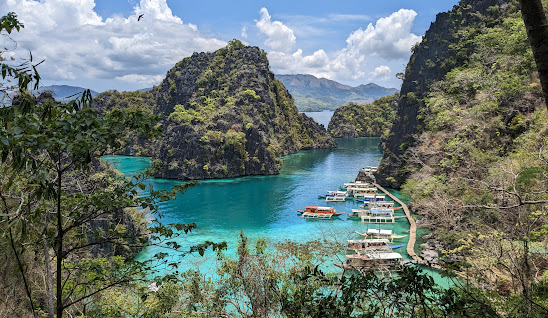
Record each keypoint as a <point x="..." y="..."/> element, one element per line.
<point x="224" y="115"/>
<point x="365" y="120"/>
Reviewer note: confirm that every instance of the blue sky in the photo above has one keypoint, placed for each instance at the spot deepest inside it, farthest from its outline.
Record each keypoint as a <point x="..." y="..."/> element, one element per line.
<point x="101" y="45"/>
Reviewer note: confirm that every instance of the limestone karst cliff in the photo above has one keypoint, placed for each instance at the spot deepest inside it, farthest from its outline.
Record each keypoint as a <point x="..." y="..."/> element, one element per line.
<point x="224" y="114"/>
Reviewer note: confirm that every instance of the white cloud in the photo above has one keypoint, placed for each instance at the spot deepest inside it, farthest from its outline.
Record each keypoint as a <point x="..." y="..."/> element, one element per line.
<point x="157" y="10"/>
<point x="76" y="42"/>
<point x="279" y="36"/>
<point x="381" y="73"/>
<point x="390" y="38"/>
<point x="145" y="80"/>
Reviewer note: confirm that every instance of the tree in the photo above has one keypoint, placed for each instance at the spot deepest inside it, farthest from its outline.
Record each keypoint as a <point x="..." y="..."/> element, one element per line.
<point x="56" y="194"/>
<point x="534" y="18"/>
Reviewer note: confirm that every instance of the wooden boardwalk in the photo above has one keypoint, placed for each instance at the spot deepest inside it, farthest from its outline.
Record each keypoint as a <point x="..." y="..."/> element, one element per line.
<point x="412" y="227"/>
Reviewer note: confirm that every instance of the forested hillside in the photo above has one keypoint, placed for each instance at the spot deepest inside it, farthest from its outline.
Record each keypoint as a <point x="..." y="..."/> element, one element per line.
<point x="364" y="120"/>
<point x="469" y="145"/>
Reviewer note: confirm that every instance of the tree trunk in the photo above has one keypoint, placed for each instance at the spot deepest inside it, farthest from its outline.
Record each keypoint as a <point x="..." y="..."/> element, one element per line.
<point x="537" y="32"/>
<point x="59" y="249"/>
<point x="49" y="279"/>
<point x="525" y="280"/>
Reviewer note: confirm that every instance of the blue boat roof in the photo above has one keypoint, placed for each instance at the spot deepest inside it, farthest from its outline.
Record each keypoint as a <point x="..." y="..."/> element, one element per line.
<point x="382" y="211"/>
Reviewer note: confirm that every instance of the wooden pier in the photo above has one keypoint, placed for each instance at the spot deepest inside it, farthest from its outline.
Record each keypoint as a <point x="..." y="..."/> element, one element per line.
<point x="412" y="228"/>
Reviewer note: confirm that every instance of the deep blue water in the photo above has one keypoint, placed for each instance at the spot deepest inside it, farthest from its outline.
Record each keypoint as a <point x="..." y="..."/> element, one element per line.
<point x="266" y="206"/>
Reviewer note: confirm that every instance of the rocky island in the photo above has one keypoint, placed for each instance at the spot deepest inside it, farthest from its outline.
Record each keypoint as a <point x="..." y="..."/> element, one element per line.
<point x="224" y="115"/>
<point x="364" y="120"/>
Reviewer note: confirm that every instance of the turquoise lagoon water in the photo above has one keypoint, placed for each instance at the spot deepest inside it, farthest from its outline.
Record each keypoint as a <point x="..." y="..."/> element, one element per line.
<point x="266" y="206"/>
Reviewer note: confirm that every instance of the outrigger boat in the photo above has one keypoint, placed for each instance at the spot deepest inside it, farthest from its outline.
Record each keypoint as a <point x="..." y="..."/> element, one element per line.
<point x="371" y="254"/>
<point x="379" y="233"/>
<point x="319" y="212"/>
<point x="380" y="205"/>
<point x="371" y="198"/>
<point x="370" y="169"/>
<point x="375" y="215"/>
<point x="370" y="245"/>
<point x="335" y="196"/>
<point x="357" y="213"/>
<point x="355" y="185"/>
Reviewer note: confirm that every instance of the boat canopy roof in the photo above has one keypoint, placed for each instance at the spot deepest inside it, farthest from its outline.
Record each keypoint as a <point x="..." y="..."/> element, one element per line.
<point x="382" y="211"/>
<point x="323" y="207"/>
<point x="384" y="255"/>
<point x="369" y="241"/>
<point x="379" y="231"/>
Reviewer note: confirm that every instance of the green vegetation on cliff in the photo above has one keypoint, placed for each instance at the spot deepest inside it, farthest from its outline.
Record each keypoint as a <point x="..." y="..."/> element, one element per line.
<point x="369" y="120"/>
<point x="474" y="160"/>
<point x="225" y="115"/>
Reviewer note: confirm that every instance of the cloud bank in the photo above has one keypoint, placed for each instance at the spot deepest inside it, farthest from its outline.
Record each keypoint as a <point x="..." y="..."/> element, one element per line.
<point x="389" y="39"/>
<point x="77" y="43"/>
<point x="279" y="36"/>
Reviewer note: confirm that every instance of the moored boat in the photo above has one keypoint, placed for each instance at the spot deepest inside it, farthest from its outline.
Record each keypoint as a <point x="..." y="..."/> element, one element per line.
<point x="380" y="233"/>
<point x="371" y="198"/>
<point x="319" y="212"/>
<point x="335" y="196"/>
<point x="378" y="216"/>
<point x="379" y="205"/>
<point x="371" y="254"/>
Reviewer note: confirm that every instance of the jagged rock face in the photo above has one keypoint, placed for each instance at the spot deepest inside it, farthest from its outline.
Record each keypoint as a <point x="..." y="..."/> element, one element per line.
<point x="431" y="60"/>
<point x="225" y="115"/>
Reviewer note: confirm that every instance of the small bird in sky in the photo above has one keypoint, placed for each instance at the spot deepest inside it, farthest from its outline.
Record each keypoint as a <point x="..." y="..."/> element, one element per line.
<point x="140" y="16"/>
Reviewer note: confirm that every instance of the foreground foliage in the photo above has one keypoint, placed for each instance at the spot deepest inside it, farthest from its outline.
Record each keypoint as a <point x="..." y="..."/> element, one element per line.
<point x="64" y="216"/>
<point x="285" y="280"/>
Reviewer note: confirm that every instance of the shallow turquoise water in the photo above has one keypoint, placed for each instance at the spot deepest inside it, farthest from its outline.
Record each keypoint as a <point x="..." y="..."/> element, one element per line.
<point x="266" y="206"/>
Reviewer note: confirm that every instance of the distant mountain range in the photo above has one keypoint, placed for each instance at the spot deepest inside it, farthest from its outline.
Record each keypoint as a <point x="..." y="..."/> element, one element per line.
<point x="64" y="92"/>
<point x="310" y="93"/>
<point x="317" y="94"/>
